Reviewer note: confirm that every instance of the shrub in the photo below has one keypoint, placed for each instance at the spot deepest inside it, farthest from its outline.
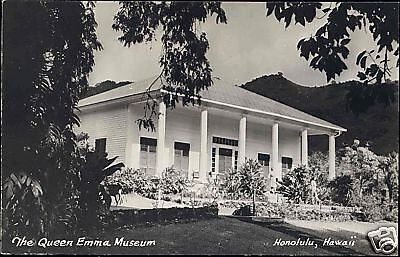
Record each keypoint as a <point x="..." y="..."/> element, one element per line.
<point x="135" y="180"/>
<point x="295" y="185"/>
<point x="230" y="184"/>
<point x="173" y="181"/>
<point x="342" y="189"/>
<point x="129" y="179"/>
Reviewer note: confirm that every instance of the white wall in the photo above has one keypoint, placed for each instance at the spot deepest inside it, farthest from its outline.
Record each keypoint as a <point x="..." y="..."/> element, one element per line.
<point x="107" y="123"/>
<point x="183" y="125"/>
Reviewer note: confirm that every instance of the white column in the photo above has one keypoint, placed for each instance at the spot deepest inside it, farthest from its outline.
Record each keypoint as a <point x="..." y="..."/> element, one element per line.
<point x="161" y="154"/>
<point x="203" y="146"/>
<point x="242" y="140"/>
<point x="275" y="154"/>
<point x="332" y="157"/>
<point x="129" y="153"/>
<point x="304" y="147"/>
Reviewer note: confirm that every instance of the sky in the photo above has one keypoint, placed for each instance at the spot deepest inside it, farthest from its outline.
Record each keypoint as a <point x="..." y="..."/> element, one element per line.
<point x="250" y="45"/>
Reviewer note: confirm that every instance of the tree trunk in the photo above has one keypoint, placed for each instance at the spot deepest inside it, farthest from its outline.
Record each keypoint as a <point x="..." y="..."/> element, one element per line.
<point x="254" y="203"/>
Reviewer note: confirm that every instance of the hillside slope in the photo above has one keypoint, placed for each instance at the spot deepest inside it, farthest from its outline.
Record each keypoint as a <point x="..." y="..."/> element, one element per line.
<point x="378" y="125"/>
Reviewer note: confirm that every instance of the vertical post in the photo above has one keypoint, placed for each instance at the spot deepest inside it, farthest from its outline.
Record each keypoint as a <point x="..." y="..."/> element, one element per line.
<point x="332" y="156"/>
<point x="203" y="145"/>
<point x="242" y="140"/>
<point x="275" y="154"/>
<point x="304" y="147"/>
<point x="161" y="156"/>
<point x="129" y="138"/>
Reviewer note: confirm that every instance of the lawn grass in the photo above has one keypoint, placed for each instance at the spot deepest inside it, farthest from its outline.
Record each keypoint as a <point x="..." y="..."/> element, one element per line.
<point x="222" y="236"/>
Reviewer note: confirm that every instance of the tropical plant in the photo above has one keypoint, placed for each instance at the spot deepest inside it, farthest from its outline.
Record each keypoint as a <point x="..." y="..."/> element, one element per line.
<point x="22" y="201"/>
<point x="173" y="181"/>
<point x="295" y="185"/>
<point x="94" y="198"/>
<point x="230" y="184"/>
<point x="251" y="180"/>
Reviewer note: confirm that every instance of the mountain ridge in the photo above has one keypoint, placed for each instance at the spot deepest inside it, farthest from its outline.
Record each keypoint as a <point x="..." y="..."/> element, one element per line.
<point x="331" y="103"/>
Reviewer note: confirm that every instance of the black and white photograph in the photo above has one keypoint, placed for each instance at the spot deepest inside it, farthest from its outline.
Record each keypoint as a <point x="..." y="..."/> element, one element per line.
<point x="200" y="128"/>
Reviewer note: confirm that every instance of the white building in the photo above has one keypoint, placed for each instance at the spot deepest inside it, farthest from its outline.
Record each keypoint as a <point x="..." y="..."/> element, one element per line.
<point x="230" y="124"/>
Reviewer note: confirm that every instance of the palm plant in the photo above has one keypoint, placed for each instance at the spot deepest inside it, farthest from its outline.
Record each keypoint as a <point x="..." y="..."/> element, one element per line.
<point x="251" y="180"/>
<point x="94" y="198"/>
<point x="22" y="201"/>
<point x="295" y="185"/>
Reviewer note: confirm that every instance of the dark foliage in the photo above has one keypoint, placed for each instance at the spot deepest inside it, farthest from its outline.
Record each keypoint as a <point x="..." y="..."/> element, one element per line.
<point x="103" y="87"/>
<point x="48" y="54"/>
<point x="94" y="199"/>
<point x="342" y="188"/>
<point x="328" y="48"/>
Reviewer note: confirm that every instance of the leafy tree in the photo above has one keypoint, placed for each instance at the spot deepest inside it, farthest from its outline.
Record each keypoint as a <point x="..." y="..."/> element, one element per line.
<point x="328" y="48"/>
<point x="185" y="68"/>
<point x="390" y="169"/>
<point x="48" y="54"/>
<point x="318" y="166"/>
<point x="251" y="180"/>
<point x="363" y="165"/>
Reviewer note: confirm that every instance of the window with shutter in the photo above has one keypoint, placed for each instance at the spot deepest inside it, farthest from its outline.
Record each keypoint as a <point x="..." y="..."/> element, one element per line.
<point x="148" y="155"/>
<point x="181" y="157"/>
<point x="225" y="159"/>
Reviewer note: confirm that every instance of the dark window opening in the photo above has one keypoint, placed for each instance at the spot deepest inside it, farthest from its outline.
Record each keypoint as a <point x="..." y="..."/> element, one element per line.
<point x="286" y="164"/>
<point x="263" y="159"/>
<point x="100" y="145"/>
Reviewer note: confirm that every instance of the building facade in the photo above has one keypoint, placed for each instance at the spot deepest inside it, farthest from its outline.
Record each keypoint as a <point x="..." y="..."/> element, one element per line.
<point x="231" y="124"/>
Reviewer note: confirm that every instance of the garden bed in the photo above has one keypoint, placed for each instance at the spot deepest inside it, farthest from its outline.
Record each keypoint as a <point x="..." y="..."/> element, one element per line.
<point x="119" y="218"/>
<point x="258" y="219"/>
<point x="301" y="212"/>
